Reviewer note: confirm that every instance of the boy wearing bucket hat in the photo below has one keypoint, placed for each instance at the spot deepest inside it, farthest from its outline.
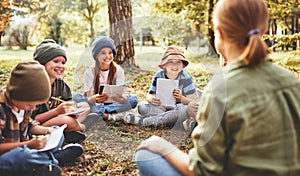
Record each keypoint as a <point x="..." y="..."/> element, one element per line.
<point x="152" y="112"/>
<point x="17" y="101"/>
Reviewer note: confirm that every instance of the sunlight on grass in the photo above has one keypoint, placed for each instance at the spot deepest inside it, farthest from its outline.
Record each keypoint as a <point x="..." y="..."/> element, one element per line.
<point x="201" y="67"/>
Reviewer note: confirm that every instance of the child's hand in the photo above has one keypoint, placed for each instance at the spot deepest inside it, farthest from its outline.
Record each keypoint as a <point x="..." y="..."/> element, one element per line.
<point x="192" y="108"/>
<point x="65" y="107"/>
<point x="177" y="94"/>
<point x="119" y="98"/>
<point x="48" y="130"/>
<point x="155" y="101"/>
<point x="37" y="142"/>
<point x="100" y="98"/>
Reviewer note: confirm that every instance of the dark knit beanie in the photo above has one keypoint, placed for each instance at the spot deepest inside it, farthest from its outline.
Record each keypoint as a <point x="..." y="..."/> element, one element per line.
<point x="103" y="42"/>
<point x="47" y="50"/>
<point x="29" y="81"/>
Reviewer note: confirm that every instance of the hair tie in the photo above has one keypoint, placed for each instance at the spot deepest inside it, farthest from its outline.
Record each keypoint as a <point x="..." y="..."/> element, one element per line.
<point x="252" y="32"/>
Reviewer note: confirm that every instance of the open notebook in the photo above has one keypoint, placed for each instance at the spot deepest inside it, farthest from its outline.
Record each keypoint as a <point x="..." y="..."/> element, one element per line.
<point x="53" y="138"/>
<point x="111" y="91"/>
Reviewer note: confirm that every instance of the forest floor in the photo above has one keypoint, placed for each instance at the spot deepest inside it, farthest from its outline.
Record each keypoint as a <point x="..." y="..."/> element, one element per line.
<point x="110" y="146"/>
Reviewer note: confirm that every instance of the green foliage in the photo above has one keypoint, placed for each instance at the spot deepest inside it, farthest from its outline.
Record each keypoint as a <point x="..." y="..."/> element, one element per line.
<point x="280" y="9"/>
<point x="194" y="11"/>
<point x="283" y="40"/>
<point x="6" y="67"/>
<point x="5" y="14"/>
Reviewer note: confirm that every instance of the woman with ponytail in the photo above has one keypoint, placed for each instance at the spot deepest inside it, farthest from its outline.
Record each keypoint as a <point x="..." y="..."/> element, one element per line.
<point x="106" y="72"/>
<point x="249" y="114"/>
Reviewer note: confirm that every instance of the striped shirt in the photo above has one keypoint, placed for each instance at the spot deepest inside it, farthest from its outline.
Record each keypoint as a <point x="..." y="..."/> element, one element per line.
<point x="186" y="84"/>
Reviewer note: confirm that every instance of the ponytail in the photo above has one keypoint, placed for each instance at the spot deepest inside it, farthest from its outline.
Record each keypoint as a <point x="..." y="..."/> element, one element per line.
<point x="256" y="49"/>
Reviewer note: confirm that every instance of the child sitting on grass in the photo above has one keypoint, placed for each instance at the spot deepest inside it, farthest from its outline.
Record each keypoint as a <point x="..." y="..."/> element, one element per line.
<point x="27" y="87"/>
<point x="54" y="59"/>
<point x="106" y="72"/>
<point x="153" y="113"/>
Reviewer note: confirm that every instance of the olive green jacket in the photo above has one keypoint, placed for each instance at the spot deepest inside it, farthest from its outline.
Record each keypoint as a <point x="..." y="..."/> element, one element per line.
<point x="248" y="123"/>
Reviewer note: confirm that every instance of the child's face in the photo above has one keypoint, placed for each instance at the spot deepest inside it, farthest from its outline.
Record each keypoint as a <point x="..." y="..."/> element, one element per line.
<point x="26" y="105"/>
<point x="105" y="56"/>
<point x="174" y="65"/>
<point x="56" y="67"/>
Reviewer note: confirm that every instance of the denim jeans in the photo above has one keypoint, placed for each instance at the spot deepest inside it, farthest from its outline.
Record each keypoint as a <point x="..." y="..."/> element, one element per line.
<point x="101" y="108"/>
<point x="116" y="107"/>
<point x="153" y="164"/>
<point x="22" y="160"/>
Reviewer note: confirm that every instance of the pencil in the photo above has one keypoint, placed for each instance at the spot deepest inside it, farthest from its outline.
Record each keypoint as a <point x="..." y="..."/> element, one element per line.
<point x="35" y="136"/>
<point x="54" y="98"/>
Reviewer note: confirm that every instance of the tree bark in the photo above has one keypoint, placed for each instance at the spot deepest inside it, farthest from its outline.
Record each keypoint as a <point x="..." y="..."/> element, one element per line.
<point x="120" y="19"/>
<point x="211" y="35"/>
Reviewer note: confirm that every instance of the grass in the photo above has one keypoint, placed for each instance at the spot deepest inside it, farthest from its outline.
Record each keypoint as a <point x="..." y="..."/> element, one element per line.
<point x="109" y="148"/>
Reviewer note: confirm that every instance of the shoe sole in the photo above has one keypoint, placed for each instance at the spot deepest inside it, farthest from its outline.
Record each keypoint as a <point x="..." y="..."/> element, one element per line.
<point x="74" y="137"/>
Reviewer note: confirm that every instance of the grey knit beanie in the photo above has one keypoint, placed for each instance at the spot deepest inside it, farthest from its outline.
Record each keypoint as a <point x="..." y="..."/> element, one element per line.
<point x="47" y="50"/>
<point x="103" y="42"/>
<point x="29" y="81"/>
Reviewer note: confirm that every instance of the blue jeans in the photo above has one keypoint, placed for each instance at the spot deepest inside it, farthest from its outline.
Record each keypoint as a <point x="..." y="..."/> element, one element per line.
<point x="117" y="107"/>
<point x="23" y="160"/>
<point x="153" y="164"/>
<point x="102" y="108"/>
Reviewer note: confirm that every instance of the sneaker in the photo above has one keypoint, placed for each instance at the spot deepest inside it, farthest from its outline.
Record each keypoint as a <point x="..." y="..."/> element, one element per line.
<point x="48" y="170"/>
<point x="132" y="118"/>
<point x="105" y="116"/>
<point x="189" y="124"/>
<point x="74" y="137"/>
<point x="68" y="153"/>
<point x="117" y="116"/>
<point x="90" y="120"/>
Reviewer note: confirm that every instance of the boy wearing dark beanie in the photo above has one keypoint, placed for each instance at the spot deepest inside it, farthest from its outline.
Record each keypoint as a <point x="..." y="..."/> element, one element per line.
<point x="27" y="87"/>
<point x="53" y="57"/>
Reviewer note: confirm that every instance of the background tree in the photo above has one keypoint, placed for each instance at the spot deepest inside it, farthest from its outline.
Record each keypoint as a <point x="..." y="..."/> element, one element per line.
<point x="120" y="29"/>
<point x="284" y="15"/>
<point x="199" y="13"/>
<point x="22" y="23"/>
<point x="5" y="16"/>
<point x="88" y="9"/>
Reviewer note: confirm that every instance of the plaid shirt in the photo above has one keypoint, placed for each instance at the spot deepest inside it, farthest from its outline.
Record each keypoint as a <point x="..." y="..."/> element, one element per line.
<point x="10" y="129"/>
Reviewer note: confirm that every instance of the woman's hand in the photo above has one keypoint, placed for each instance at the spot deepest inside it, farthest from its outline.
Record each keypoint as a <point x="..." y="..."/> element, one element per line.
<point x="119" y="98"/>
<point x="157" y="145"/>
<point x="177" y="94"/>
<point x="100" y="98"/>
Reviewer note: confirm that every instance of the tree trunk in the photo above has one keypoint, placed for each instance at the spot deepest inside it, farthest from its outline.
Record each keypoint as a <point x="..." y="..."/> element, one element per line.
<point x="211" y="35"/>
<point x="120" y="19"/>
